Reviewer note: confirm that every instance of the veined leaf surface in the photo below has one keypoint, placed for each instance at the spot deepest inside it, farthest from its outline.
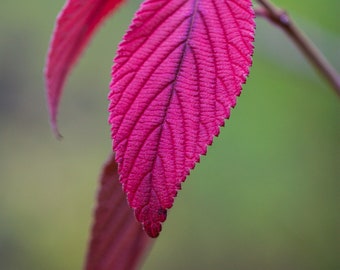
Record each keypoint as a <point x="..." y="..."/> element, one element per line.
<point x="178" y="72"/>
<point x="117" y="239"/>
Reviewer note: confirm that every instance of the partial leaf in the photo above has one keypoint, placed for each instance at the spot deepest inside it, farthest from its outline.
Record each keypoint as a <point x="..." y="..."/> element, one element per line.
<point x="118" y="240"/>
<point x="177" y="74"/>
<point x="75" y="25"/>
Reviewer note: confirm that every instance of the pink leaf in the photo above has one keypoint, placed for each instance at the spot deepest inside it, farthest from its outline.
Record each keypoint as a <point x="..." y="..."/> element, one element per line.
<point x="74" y="27"/>
<point x="177" y="74"/>
<point x="118" y="241"/>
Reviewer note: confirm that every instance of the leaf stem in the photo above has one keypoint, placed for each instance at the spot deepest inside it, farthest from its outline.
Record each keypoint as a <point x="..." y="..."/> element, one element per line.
<point x="281" y="18"/>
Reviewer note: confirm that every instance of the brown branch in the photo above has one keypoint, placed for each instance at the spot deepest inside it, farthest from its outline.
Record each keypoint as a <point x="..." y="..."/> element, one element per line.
<point x="306" y="46"/>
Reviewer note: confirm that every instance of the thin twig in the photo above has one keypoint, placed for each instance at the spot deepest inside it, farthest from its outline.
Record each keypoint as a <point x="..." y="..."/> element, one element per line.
<point x="307" y="47"/>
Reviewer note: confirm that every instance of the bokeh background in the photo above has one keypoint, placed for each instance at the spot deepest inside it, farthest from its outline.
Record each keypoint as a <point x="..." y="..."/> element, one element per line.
<point x="267" y="195"/>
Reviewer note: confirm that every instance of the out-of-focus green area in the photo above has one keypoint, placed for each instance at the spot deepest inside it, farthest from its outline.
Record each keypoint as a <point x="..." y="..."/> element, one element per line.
<point x="267" y="195"/>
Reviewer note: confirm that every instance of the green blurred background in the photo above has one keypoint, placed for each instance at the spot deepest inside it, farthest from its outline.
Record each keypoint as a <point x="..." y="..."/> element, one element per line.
<point x="267" y="196"/>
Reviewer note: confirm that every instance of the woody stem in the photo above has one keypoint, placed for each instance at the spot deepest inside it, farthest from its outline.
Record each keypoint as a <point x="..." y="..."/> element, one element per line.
<point x="281" y="18"/>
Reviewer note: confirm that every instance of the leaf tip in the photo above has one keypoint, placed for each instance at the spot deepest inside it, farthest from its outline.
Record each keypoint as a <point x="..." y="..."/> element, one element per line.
<point x="55" y="130"/>
<point x="152" y="229"/>
<point x="152" y="225"/>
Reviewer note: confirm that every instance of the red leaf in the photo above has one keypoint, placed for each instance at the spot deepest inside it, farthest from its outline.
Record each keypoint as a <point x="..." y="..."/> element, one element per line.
<point x="74" y="27"/>
<point x="177" y="74"/>
<point x="118" y="241"/>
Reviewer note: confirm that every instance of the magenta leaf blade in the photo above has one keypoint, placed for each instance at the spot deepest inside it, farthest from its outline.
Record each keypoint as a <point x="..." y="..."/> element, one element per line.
<point x="74" y="27"/>
<point x="178" y="72"/>
<point x="117" y="239"/>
